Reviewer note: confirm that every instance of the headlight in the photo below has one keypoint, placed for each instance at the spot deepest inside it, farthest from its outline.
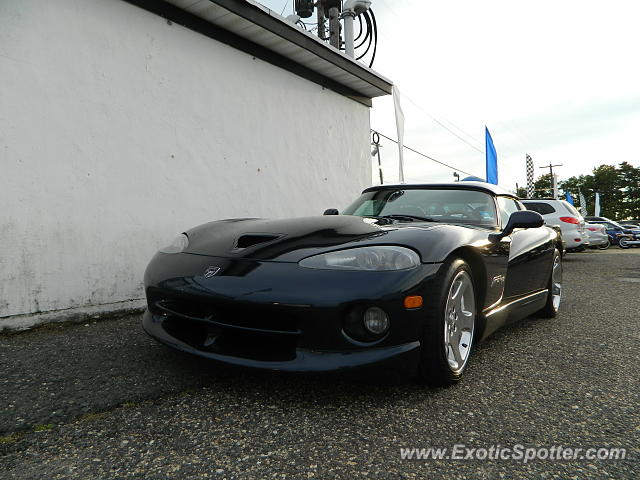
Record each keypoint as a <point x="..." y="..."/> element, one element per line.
<point x="382" y="258"/>
<point x="178" y="245"/>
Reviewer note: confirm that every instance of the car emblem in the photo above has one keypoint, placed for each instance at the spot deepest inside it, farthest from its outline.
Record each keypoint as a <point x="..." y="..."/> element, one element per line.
<point x="211" y="271"/>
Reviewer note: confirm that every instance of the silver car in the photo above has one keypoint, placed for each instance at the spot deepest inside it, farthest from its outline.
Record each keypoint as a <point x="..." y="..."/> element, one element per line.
<point x="598" y="236"/>
<point x="565" y="216"/>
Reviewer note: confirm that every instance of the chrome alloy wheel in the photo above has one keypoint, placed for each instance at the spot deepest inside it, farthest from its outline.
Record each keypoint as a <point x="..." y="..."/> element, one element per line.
<point x="459" y="322"/>
<point x="556" y="282"/>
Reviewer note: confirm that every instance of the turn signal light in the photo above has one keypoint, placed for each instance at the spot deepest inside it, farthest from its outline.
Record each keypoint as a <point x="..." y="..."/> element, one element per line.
<point x="573" y="220"/>
<point x="413" y="301"/>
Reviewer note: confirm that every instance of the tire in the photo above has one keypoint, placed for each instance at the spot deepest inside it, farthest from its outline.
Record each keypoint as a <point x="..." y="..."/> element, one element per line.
<point x="623" y="243"/>
<point x="604" y="246"/>
<point x="450" y="326"/>
<point x="554" y="286"/>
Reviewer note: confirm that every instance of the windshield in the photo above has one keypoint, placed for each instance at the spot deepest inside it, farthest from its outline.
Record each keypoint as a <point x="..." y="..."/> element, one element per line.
<point x="450" y="206"/>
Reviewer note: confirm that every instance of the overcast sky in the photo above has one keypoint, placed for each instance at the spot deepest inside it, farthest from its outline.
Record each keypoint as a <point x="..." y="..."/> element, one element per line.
<point x="559" y="80"/>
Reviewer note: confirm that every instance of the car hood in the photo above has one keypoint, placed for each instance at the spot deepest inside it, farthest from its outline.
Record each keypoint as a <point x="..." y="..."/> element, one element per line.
<point x="290" y="240"/>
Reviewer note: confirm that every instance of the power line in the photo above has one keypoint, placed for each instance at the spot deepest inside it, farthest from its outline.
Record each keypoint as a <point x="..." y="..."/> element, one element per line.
<point x="465" y="133"/>
<point x="444" y="126"/>
<point x="425" y="155"/>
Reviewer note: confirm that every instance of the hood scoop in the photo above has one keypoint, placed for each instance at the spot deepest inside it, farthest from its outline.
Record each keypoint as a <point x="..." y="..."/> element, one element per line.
<point x="252" y="239"/>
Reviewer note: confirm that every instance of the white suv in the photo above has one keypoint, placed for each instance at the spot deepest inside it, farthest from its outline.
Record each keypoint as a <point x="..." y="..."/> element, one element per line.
<point x="565" y="216"/>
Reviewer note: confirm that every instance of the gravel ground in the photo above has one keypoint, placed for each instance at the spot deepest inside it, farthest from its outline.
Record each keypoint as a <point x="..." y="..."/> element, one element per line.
<point x="104" y="401"/>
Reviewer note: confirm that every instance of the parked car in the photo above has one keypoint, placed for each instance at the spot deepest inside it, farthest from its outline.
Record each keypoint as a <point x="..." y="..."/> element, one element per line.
<point x="558" y="230"/>
<point x="615" y="230"/>
<point x="634" y="223"/>
<point x="411" y="275"/>
<point x="632" y="226"/>
<point x="562" y="214"/>
<point x="598" y="237"/>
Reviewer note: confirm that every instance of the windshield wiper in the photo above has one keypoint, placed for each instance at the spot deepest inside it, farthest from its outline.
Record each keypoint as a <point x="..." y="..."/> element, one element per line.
<point x="408" y="217"/>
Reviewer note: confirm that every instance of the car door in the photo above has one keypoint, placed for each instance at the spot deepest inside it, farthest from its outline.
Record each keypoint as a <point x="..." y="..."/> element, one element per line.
<point x="530" y="254"/>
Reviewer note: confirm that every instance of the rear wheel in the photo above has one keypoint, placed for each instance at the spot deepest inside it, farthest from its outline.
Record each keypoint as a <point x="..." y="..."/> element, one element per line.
<point x="554" y="286"/>
<point x="450" y="326"/>
<point x="604" y="246"/>
<point x="624" y="243"/>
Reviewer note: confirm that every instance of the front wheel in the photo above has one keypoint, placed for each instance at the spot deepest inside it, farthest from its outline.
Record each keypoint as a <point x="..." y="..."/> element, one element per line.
<point x="624" y="243"/>
<point x="604" y="246"/>
<point x="554" y="287"/>
<point x="450" y="326"/>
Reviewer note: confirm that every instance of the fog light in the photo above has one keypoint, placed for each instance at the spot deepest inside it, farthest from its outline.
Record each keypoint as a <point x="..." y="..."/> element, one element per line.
<point x="376" y="320"/>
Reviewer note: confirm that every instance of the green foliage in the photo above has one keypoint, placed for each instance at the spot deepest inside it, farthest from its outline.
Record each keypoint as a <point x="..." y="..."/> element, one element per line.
<point x="42" y="427"/>
<point x="619" y="189"/>
<point x="543" y="186"/>
<point x="11" y="438"/>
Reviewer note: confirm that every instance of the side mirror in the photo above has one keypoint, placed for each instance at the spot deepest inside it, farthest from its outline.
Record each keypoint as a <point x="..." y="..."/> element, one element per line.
<point x="520" y="219"/>
<point x="331" y="211"/>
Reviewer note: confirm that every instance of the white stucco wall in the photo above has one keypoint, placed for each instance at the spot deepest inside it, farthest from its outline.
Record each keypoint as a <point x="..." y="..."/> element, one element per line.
<point x="118" y="131"/>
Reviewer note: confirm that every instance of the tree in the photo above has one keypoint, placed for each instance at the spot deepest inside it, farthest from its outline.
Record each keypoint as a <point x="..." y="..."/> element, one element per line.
<point x="575" y="186"/>
<point x="619" y="189"/>
<point x="629" y="182"/>
<point x="607" y="185"/>
<point x="543" y="187"/>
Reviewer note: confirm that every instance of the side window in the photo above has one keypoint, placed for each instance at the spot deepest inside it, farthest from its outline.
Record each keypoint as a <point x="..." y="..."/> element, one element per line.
<point x="540" y="207"/>
<point x="507" y="206"/>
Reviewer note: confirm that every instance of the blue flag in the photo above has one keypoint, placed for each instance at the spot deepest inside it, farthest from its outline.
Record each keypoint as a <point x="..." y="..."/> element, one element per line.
<point x="492" y="159"/>
<point x="569" y="198"/>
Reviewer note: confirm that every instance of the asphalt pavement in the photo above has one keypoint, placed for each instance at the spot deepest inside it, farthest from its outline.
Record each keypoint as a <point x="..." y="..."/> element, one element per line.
<point x="102" y="400"/>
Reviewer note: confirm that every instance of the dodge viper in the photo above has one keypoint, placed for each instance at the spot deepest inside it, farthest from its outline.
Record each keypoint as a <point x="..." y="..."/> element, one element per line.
<point x="407" y="277"/>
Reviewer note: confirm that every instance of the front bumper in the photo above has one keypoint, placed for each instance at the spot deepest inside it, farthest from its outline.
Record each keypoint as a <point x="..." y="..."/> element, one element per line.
<point x="280" y="316"/>
<point x="397" y="357"/>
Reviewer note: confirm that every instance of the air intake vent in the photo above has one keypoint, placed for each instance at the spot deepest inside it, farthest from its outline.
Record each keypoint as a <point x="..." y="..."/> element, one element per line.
<point x="250" y="240"/>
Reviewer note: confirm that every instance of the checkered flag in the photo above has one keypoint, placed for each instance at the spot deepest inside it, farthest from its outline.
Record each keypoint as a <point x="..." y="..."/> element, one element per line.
<point x="530" y="186"/>
<point x="583" y="205"/>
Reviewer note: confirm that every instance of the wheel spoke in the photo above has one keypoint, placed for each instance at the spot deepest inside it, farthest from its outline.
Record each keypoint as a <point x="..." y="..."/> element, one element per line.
<point x="455" y="348"/>
<point x="456" y="290"/>
<point x="459" y="321"/>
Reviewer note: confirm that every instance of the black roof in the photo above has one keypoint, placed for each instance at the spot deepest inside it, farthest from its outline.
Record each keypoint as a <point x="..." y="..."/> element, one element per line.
<point x="483" y="186"/>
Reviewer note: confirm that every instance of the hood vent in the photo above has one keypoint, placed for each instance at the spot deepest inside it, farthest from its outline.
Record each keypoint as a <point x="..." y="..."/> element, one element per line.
<point x="246" y="241"/>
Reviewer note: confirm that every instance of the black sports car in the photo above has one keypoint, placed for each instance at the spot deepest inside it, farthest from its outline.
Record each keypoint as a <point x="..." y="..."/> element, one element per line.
<point x="408" y="275"/>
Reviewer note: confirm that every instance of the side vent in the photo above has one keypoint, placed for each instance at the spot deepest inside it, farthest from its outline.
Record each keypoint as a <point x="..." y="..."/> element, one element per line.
<point x="246" y="241"/>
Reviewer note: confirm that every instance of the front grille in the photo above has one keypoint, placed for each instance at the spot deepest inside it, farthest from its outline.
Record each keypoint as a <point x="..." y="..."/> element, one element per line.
<point x="236" y="343"/>
<point x="266" y="320"/>
<point x="261" y="333"/>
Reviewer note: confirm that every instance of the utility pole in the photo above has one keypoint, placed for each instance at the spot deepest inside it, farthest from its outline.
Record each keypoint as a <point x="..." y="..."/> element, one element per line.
<point x="550" y="167"/>
<point x="322" y="33"/>
<point x="334" y="23"/>
<point x="554" y="178"/>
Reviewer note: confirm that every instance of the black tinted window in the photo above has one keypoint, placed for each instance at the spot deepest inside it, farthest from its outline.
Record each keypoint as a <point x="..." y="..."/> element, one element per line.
<point x="541" y="208"/>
